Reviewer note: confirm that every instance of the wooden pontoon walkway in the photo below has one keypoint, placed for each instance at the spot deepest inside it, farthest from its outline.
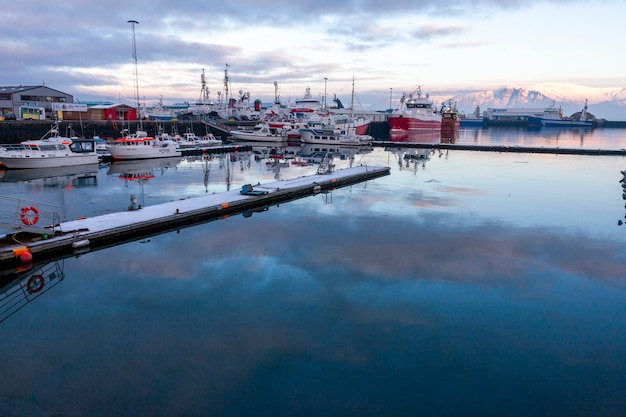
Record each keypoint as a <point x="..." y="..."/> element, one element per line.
<point x="115" y="228"/>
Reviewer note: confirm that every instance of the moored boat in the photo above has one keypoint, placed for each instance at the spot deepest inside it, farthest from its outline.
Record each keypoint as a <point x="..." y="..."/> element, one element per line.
<point x="102" y="147"/>
<point x="191" y="140"/>
<point x="415" y="113"/>
<point x="474" y="119"/>
<point x="450" y="118"/>
<point x="554" y="117"/>
<point x="49" y="153"/>
<point x="141" y="146"/>
<point x="333" y="136"/>
<point x="261" y="132"/>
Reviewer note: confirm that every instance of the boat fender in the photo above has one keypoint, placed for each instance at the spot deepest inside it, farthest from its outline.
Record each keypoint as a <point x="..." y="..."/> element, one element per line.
<point x="26" y="257"/>
<point x="30" y="215"/>
<point x="20" y="250"/>
<point x="80" y="243"/>
<point x="35" y="284"/>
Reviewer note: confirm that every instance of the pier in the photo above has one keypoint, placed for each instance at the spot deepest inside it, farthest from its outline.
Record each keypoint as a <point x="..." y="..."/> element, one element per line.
<point x="43" y="242"/>
<point x="503" y="148"/>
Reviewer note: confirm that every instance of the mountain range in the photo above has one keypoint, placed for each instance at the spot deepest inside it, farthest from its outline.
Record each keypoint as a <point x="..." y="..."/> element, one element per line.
<point x="604" y="103"/>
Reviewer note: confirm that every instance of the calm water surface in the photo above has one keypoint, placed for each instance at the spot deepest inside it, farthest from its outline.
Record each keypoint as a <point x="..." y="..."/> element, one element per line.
<point x="463" y="284"/>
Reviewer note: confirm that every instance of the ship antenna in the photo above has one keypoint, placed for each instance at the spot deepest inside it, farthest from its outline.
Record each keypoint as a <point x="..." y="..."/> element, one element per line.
<point x="226" y="81"/>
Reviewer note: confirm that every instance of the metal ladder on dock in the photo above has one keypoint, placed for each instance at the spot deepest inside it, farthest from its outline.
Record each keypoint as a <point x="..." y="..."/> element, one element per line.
<point x="326" y="164"/>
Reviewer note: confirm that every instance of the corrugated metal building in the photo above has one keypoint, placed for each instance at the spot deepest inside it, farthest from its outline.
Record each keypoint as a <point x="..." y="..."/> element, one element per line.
<point x="41" y="102"/>
<point x="40" y="96"/>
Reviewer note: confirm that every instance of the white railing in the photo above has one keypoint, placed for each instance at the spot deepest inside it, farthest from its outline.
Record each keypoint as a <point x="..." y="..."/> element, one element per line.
<point x="27" y="287"/>
<point x="17" y="214"/>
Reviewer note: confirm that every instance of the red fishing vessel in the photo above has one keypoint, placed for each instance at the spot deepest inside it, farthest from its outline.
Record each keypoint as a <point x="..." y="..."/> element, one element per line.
<point x="415" y="113"/>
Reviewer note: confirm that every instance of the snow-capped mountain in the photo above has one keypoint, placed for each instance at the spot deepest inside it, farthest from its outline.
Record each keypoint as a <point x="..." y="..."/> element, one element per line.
<point x="604" y="103"/>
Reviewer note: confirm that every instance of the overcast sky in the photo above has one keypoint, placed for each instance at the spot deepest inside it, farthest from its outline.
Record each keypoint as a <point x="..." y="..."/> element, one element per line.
<point x="84" y="48"/>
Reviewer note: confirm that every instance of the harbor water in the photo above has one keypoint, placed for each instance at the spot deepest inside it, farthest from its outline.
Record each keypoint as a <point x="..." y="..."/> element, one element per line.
<point x="463" y="284"/>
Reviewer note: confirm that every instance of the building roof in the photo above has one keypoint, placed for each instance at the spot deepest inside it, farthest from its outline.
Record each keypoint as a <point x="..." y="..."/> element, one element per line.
<point x="110" y="106"/>
<point x="20" y="88"/>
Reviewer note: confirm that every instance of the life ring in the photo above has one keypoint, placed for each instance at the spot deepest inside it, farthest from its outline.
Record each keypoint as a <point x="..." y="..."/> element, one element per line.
<point x="30" y="215"/>
<point x="35" y="284"/>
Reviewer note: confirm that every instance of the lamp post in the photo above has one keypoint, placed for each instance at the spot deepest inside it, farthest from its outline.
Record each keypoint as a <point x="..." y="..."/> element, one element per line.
<point x="390" y="93"/>
<point x="325" y="96"/>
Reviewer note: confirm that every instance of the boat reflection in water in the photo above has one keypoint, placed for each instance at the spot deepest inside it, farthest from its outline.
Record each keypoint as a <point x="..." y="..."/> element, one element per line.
<point x="315" y="153"/>
<point x="143" y="168"/>
<point x="74" y="176"/>
<point x="433" y="136"/>
<point x="140" y="171"/>
<point x="449" y="135"/>
<point x="270" y="150"/>
<point x="19" y="286"/>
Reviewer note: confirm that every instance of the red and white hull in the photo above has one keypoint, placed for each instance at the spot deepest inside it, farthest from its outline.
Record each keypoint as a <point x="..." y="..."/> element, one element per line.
<point x="415" y="114"/>
<point x="361" y="125"/>
<point x="407" y="123"/>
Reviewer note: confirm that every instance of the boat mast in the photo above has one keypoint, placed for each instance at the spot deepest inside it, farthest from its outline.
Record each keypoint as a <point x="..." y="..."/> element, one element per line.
<point x="204" y="93"/>
<point x="226" y="81"/>
<point x="132" y="24"/>
<point x="583" y="114"/>
<point x="352" y="100"/>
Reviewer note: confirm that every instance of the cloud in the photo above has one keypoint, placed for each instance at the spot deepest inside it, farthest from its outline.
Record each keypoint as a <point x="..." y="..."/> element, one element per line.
<point x="295" y="43"/>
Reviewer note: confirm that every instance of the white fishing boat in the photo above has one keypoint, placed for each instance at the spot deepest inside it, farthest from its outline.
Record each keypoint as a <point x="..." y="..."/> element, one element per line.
<point x="102" y="147"/>
<point x="191" y="140"/>
<point x="332" y="134"/>
<point x="261" y="132"/>
<point x="141" y="146"/>
<point x="48" y="153"/>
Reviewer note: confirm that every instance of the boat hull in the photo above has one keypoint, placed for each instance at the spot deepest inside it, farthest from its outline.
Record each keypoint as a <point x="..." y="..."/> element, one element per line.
<point x="448" y="125"/>
<point x="246" y="136"/>
<point x="361" y="129"/>
<point x="13" y="162"/>
<point x="471" y="122"/>
<point x="539" y="121"/>
<point x="412" y="123"/>
<point x="330" y="137"/>
<point x="123" y="152"/>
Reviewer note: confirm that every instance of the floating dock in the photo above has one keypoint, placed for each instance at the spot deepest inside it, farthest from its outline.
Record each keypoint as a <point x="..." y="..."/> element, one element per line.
<point x="502" y="148"/>
<point x="84" y="235"/>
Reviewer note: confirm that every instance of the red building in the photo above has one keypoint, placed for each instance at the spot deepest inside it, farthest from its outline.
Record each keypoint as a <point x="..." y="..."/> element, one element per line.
<point x="112" y="112"/>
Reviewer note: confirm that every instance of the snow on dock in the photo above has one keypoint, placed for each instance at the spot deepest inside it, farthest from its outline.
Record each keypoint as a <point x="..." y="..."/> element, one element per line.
<point x="115" y="228"/>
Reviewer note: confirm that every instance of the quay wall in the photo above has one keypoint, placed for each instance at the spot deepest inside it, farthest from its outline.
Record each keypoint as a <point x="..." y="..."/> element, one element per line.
<point x="17" y="131"/>
<point x="21" y="130"/>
